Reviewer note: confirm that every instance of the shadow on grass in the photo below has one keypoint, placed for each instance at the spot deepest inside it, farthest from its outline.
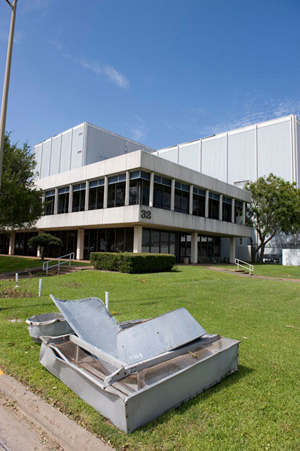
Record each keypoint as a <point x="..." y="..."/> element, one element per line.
<point x="242" y="372"/>
<point x="11" y="307"/>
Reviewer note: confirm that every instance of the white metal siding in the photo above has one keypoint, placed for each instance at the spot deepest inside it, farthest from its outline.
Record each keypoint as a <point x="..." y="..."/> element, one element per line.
<point x="241" y="157"/>
<point x="38" y="158"/>
<point x="274" y="150"/>
<point x="214" y="158"/>
<point x="170" y="154"/>
<point x="55" y="155"/>
<point x="77" y="147"/>
<point x="66" y="146"/>
<point x="298" y="149"/>
<point x="102" y="145"/>
<point x="189" y="155"/>
<point x="46" y="158"/>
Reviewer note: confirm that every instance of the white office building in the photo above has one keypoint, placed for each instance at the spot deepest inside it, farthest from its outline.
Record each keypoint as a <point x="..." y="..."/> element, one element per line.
<point x="104" y="192"/>
<point x="243" y="155"/>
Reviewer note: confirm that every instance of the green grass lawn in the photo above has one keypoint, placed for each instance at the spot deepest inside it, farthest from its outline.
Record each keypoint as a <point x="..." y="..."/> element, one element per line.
<point x="256" y="408"/>
<point x="15" y="264"/>
<point x="269" y="270"/>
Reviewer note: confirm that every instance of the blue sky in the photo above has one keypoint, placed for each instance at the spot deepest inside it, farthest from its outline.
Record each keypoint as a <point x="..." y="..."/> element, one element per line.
<point x="157" y="71"/>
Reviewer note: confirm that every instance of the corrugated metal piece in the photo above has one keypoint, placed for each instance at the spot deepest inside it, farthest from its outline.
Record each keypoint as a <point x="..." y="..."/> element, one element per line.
<point x="134" y="371"/>
<point x="94" y="324"/>
<point x="143" y="396"/>
<point x="51" y="324"/>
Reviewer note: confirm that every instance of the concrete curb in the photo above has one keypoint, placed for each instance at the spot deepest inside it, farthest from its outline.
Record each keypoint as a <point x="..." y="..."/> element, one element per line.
<point x="70" y="435"/>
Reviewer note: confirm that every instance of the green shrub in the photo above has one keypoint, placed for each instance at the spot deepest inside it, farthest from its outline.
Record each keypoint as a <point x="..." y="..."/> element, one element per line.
<point x="105" y="260"/>
<point x="133" y="263"/>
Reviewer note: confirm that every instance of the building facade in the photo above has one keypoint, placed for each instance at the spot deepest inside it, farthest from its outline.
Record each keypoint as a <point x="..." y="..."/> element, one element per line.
<point x="139" y="202"/>
<point x="243" y="155"/>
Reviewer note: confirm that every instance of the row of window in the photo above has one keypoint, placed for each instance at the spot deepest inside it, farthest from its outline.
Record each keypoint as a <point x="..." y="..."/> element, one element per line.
<point x="139" y="193"/>
<point x="120" y="240"/>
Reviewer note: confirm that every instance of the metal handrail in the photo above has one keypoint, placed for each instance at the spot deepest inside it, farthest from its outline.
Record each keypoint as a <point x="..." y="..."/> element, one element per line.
<point x="244" y="265"/>
<point x="46" y="265"/>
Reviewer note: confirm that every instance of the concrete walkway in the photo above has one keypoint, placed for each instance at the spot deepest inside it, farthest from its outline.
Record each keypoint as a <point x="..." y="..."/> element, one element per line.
<point x="251" y="276"/>
<point x="28" y="423"/>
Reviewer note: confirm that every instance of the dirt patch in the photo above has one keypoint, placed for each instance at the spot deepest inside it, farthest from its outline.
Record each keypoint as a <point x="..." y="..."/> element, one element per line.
<point x="15" y="293"/>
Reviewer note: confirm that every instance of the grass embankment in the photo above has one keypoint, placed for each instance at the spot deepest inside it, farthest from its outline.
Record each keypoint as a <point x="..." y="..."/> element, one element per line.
<point x="268" y="270"/>
<point x="17" y="264"/>
<point x="255" y="408"/>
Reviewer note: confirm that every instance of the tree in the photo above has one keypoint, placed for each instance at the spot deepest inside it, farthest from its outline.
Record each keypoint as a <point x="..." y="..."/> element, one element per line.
<point x="45" y="241"/>
<point x="20" y="201"/>
<point x="275" y="208"/>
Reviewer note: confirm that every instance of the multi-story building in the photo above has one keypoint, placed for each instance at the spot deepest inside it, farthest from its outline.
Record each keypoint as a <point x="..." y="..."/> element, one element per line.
<point x="245" y="154"/>
<point x="102" y="194"/>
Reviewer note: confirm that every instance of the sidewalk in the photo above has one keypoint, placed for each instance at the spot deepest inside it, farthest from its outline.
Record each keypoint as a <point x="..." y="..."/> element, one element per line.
<point x="28" y="423"/>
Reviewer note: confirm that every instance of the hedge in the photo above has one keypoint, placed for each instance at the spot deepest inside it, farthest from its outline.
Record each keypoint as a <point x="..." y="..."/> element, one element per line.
<point x="133" y="263"/>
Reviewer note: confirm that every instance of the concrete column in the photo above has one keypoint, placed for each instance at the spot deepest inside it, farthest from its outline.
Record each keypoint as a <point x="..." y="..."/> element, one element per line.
<point x="194" y="248"/>
<point x="127" y="184"/>
<point x="43" y="200"/>
<point x="105" y="192"/>
<point x="191" y="199"/>
<point x="244" y="213"/>
<point x="151" y="190"/>
<point x="11" y="246"/>
<point x="233" y="211"/>
<point x="221" y="207"/>
<point x="206" y="203"/>
<point x="172" y="194"/>
<point x="38" y="251"/>
<point x="137" y="238"/>
<point x="87" y="195"/>
<point x="80" y="244"/>
<point x="70" y="198"/>
<point x="56" y="201"/>
<point x="232" y="250"/>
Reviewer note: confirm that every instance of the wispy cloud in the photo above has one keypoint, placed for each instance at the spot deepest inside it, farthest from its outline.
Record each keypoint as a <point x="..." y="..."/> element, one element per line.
<point x="19" y="36"/>
<point x="56" y="44"/>
<point x="252" y="110"/>
<point x="139" y="130"/>
<point x="106" y="70"/>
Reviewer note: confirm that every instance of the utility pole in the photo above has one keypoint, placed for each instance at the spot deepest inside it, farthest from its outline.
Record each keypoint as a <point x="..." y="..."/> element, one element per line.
<point x="6" y="81"/>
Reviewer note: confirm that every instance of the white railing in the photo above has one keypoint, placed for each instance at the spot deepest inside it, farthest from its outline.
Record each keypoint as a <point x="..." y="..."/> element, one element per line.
<point x="244" y="265"/>
<point x="67" y="259"/>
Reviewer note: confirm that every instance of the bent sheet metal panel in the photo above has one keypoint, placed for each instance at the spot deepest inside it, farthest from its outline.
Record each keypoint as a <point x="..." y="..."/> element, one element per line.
<point x="93" y="323"/>
<point x="163" y="386"/>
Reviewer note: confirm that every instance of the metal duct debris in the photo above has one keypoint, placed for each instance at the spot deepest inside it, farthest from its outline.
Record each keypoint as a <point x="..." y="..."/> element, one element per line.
<point x="134" y="371"/>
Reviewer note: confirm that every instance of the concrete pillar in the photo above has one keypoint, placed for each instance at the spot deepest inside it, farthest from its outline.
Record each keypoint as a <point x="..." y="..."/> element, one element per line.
<point x="38" y="251"/>
<point x="232" y="250"/>
<point x="80" y="244"/>
<point x="233" y="211"/>
<point x="105" y="192"/>
<point x="194" y="248"/>
<point x="221" y="207"/>
<point x="127" y="184"/>
<point x="87" y="195"/>
<point x="172" y="194"/>
<point x="151" y="190"/>
<point x="56" y="201"/>
<point x="244" y="213"/>
<point x="137" y="238"/>
<point x="206" y="203"/>
<point x="191" y="199"/>
<point x="12" y="241"/>
<point x="70" y="198"/>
